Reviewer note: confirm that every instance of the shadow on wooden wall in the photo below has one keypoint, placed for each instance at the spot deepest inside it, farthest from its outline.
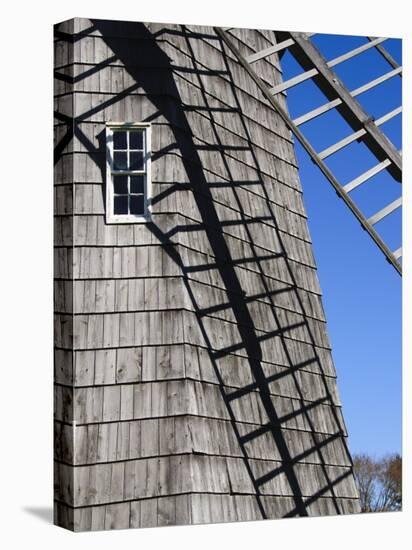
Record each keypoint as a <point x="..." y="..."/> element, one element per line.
<point x="154" y="72"/>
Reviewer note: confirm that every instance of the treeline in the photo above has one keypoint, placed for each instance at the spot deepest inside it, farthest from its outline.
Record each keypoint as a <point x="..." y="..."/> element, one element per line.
<point x="379" y="482"/>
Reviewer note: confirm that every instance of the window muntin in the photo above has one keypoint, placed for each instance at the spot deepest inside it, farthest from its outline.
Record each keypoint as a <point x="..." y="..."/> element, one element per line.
<point x="128" y="173"/>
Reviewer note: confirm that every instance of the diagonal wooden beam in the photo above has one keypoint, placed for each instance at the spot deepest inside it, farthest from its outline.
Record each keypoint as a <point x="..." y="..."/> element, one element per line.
<point x="330" y="84"/>
<point x="384" y="53"/>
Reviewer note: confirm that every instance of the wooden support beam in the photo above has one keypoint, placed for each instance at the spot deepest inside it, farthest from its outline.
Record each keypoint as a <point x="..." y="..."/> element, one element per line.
<point x="330" y="84"/>
<point x="386" y="55"/>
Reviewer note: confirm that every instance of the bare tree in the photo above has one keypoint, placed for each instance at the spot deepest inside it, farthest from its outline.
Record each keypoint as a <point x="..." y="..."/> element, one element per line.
<point x="379" y="482"/>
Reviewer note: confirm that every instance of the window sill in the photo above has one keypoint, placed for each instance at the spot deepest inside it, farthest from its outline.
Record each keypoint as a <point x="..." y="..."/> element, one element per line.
<point x="128" y="219"/>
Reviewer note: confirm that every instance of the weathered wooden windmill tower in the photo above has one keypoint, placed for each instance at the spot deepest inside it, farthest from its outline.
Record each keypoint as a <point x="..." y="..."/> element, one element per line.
<point x="193" y="373"/>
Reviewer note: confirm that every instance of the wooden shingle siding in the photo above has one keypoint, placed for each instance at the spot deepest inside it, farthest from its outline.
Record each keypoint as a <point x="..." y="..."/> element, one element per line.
<point x="86" y="170"/>
<point x="103" y="331"/>
<point x="63" y="256"/>
<point x="136" y="364"/>
<point x="105" y="263"/>
<point x="111" y="295"/>
<point x="174" y="475"/>
<point x="113" y="403"/>
<point x="130" y="295"/>
<point x="203" y="134"/>
<point x="191" y="508"/>
<point x="135" y="439"/>
<point x="194" y="379"/>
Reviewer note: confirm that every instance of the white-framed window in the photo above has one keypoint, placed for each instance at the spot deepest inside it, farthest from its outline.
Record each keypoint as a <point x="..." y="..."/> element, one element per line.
<point x="128" y="185"/>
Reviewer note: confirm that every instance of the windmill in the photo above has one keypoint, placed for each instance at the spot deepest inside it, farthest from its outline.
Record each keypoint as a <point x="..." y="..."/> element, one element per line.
<point x="194" y="379"/>
<point x="364" y="127"/>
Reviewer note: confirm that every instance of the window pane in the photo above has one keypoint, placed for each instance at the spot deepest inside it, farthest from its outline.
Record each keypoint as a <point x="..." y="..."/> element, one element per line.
<point x="120" y="185"/>
<point x="136" y="184"/>
<point x="120" y="204"/>
<point x="120" y="160"/>
<point x="136" y="204"/>
<point x="136" y="160"/>
<point x="136" y="140"/>
<point x="119" y="140"/>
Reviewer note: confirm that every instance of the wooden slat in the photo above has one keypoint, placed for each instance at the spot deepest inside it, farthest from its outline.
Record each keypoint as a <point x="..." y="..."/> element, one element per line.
<point x="354" y="93"/>
<point x="269" y="51"/>
<point x="376" y="82"/>
<point x="332" y="63"/>
<point x="293" y="81"/>
<point x="366" y="175"/>
<point x="398" y="253"/>
<point x="355" y="51"/>
<point x="356" y="135"/>
<point x="385" y="211"/>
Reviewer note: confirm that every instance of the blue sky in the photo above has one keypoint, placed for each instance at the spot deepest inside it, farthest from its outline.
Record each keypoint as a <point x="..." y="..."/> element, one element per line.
<point x="361" y="291"/>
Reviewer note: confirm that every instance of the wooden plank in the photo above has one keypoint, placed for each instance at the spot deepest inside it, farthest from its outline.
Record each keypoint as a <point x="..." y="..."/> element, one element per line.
<point x="398" y="253"/>
<point x="270" y="50"/>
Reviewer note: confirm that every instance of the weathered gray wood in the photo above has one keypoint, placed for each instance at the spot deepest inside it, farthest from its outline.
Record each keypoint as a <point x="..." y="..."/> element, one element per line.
<point x="191" y="509"/>
<point x="108" y="404"/>
<point x="208" y="475"/>
<point x="385" y="54"/>
<point x="131" y="295"/>
<point x="137" y="364"/>
<point x="137" y="439"/>
<point x="155" y="321"/>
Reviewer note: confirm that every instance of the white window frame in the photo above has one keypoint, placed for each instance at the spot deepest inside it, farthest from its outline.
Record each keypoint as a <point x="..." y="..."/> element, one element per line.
<point x="111" y="217"/>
